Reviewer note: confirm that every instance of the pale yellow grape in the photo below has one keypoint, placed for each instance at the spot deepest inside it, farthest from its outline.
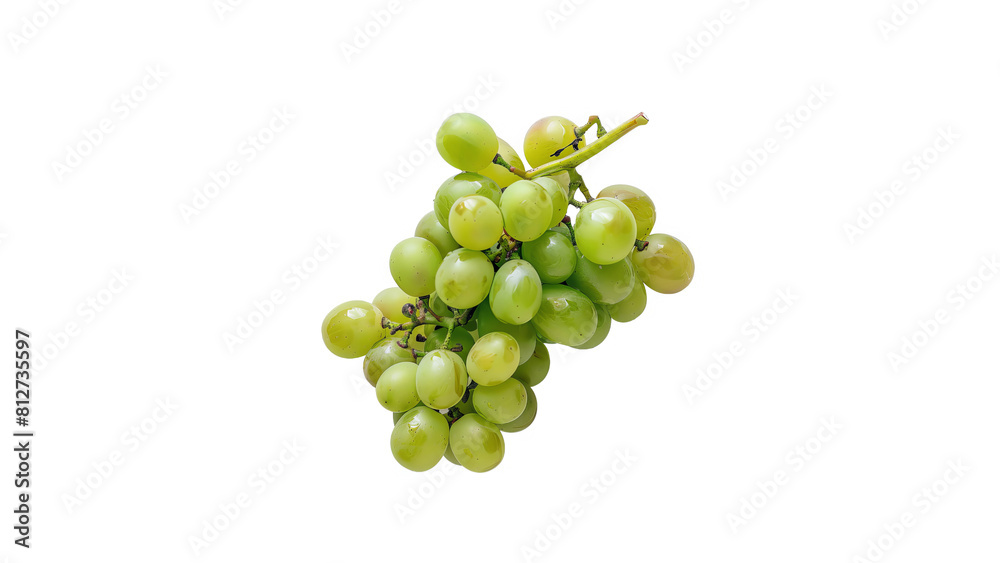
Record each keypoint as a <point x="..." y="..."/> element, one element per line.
<point x="413" y="264"/>
<point x="666" y="265"/>
<point x="464" y="278"/>
<point x="467" y="142"/>
<point x="502" y="176"/>
<point x="419" y="439"/>
<point x="383" y="355"/>
<point x="605" y="231"/>
<point x="557" y="193"/>
<point x="548" y="135"/>
<point x="493" y="358"/>
<point x="475" y="222"/>
<point x="639" y="204"/>
<point x="396" y="390"/>
<point x="441" y="379"/>
<point x="476" y="443"/>
<point x="351" y="329"/>
<point x="501" y="403"/>
<point x="526" y="209"/>
<point x="432" y="229"/>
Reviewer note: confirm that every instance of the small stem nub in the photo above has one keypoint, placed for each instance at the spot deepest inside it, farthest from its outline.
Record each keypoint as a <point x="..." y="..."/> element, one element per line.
<point x="641" y="245"/>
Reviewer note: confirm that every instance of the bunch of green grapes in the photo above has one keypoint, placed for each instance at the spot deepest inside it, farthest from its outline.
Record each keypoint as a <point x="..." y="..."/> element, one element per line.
<point x="497" y="271"/>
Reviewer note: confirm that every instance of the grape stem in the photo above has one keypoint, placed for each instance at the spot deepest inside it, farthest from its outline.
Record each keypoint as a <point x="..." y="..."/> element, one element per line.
<point x="576" y="183"/>
<point x="641" y="245"/>
<point x="569" y="226"/>
<point x="499" y="161"/>
<point x="587" y="152"/>
<point x="594" y="120"/>
<point x="575" y="203"/>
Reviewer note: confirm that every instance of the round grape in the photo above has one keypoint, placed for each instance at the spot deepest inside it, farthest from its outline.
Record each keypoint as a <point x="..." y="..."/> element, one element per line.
<point x="566" y="316"/>
<point x="516" y="293"/>
<point x="632" y="306"/>
<point x="526" y="418"/>
<point x="383" y="355"/>
<point x="666" y="265"/>
<point x="605" y="231"/>
<point x="603" y="328"/>
<point x="413" y="264"/>
<point x="459" y="186"/>
<point x="419" y="439"/>
<point x="352" y="328"/>
<point x="441" y="379"/>
<point x="475" y="222"/>
<point x="501" y="403"/>
<point x="459" y="336"/>
<point x="605" y="285"/>
<point x="525" y="335"/>
<point x="557" y="193"/>
<point x="476" y="443"/>
<point x="467" y="142"/>
<point x="548" y="135"/>
<point x="552" y="255"/>
<point x="638" y="203"/>
<point x="526" y="209"/>
<point x="502" y="176"/>
<point x="464" y="278"/>
<point x="533" y="371"/>
<point x="432" y="229"/>
<point x="493" y="358"/>
<point x="397" y="388"/>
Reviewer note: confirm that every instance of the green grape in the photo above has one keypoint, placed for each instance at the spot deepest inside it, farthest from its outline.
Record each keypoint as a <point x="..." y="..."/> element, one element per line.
<point x="501" y="403"/>
<point x="476" y="443"/>
<point x="603" y="328"/>
<point x="390" y="302"/>
<point x="467" y="142"/>
<point x="603" y="285"/>
<point x="439" y="307"/>
<point x="413" y="264"/>
<point x="526" y="418"/>
<point x="352" y="328"/>
<point x="502" y="176"/>
<point x="526" y="209"/>
<point x="383" y="355"/>
<point x="638" y="203"/>
<point x="533" y="371"/>
<point x="459" y="336"/>
<point x="552" y="255"/>
<point x="459" y="186"/>
<point x="557" y="193"/>
<point x="548" y="135"/>
<point x="516" y="293"/>
<point x="441" y="379"/>
<point x="525" y="334"/>
<point x="566" y="315"/>
<point x="431" y="229"/>
<point x="666" y="266"/>
<point x="419" y="439"/>
<point x="475" y="222"/>
<point x="464" y="278"/>
<point x="632" y="306"/>
<point x="605" y="231"/>
<point x="397" y="388"/>
<point x="562" y="229"/>
<point x="493" y="358"/>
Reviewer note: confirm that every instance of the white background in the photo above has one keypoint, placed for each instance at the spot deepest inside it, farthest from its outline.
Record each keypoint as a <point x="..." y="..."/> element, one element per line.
<point x="697" y="458"/>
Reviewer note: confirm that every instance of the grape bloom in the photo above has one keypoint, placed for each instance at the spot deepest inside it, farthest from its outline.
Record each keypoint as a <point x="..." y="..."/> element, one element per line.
<point x="497" y="272"/>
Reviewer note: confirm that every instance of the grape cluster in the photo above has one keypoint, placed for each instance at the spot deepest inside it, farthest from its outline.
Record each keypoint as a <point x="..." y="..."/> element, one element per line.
<point x="494" y="273"/>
